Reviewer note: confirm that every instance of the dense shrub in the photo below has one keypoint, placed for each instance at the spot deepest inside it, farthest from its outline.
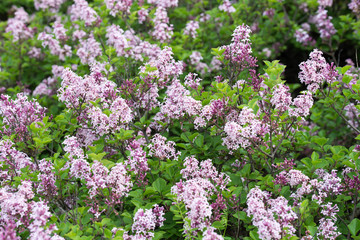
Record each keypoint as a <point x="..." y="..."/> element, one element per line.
<point x="172" y="119"/>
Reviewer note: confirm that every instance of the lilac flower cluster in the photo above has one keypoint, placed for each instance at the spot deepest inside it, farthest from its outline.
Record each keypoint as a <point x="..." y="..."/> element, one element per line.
<point x="145" y="222"/>
<point x="302" y="35"/>
<point x="18" y="114"/>
<point x="18" y="209"/>
<point x="239" y="51"/>
<point x="51" y="5"/>
<point x="127" y="44"/>
<point x="354" y="6"/>
<point x="116" y="6"/>
<point x="160" y="149"/>
<point x="166" y="68"/>
<point x="177" y="104"/>
<point x="201" y="182"/>
<point x="97" y="176"/>
<point x="191" y="28"/>
<point x="18" y="26"/>
<point x="164" y="3"/>
<point x="226" y="6"/>
<point x="47" y="179"/>
<point x="54" y="41"/>
<point x="274" y="218"/>
<point x="12" y="161"/>
<point x="323" y="23"/>
<point x="137" y="162"/>
<point x="163" y="31"/>
<point x="316" y="70"/>
<point x="89" y="50"/>
<point x="195" y="60"/>
<point x="243" y="129"/>
<point x="81" y="10"/>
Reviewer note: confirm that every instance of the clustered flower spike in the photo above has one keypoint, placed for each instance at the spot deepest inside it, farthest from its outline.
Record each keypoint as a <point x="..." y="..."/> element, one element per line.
<point x="315" y="71"/>
<point x="274" y="218"/>
<point x="323" y="23"/>
<point x="18" y="26"/>
<point x="145" y="222"/>
<point x="81" y="10"/>
<point x="191" y="28"/>
<point x="19" y="210"/>
<point x="177" y="104"/>
<point x="201" y="182"/>
<point x="161" y="149"/>
<point x="226" y="6"/>
<point x="239" y="51"/>
<point x="163" y="31"/>
<point x="18" y="114"/>
<point x="51" y="5"/>
<point x="117" y="6"/>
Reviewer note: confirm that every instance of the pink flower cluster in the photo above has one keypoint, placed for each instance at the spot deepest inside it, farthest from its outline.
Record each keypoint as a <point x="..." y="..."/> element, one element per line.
<point x="117" y="6"/>
<point x="145" y="222"/>
<point x="18" y="114"/>
<point x="354" y="6"/>
<point x="17" y="26"/>
<point x="274" y="218"/>
<point x="323" y="23"/>
<point x="195" y="60"/>
<point x="302" y="35"/>
<point x="192" y="81"/>
<point x="161" y="149"/>
<point x="227" y="7"/>
<point x="47" y="179"/>
<point x="137" y="162"/>
<point x="127" y="44"/>
<point x="48" y="40"/>
<point x="97" y="176"/>
<point x="177" y="104"/>
<point x="325" y="3"/>
<point x="18" y="207"/>
<point x="81" y="10"/>
<point x="201" y="182"/>
<point x="120" y="114"/>
<point x="243" y="129"/>
<point x="51" y="5"/>
<point x="47" y="87"/>
<point x="216" y="108"/>
<point x="239" y="51"/>
<point x="164" y="3"/>
<point x="163" y="31"/>
<point x="316" y="70"/>
<point x="191" y="28"/>
<point x="166" y="68"/>
<point x="89" y="50"/>
<point x="142" y="15"/>
<point x="12" y="161"/>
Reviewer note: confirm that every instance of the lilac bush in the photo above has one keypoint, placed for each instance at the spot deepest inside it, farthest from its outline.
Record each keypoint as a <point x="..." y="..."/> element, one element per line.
<point x="125" y="119"/>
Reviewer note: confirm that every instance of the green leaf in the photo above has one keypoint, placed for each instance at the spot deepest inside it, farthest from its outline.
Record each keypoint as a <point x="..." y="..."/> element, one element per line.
<point x="199" y="141"/>
<point x="159" y="185"/>
<point x="97" y="157"/>
<point x="321" y="141"/>
<point x="354" y="226"/>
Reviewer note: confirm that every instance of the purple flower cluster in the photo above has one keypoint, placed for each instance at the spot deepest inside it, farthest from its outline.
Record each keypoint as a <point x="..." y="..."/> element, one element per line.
<point x="145" y="222"/>
<point x="201" y="182"/>
<point x="18" y="114"/>
<point x="191" y="28"/>
<point x="274" y="218"/>
<point x="315" y="71"/>
<point x="51" y="5"/>
<point x="18" y="26"/>
<point x="161" y="149"/>
<point x="239" y="51"/>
